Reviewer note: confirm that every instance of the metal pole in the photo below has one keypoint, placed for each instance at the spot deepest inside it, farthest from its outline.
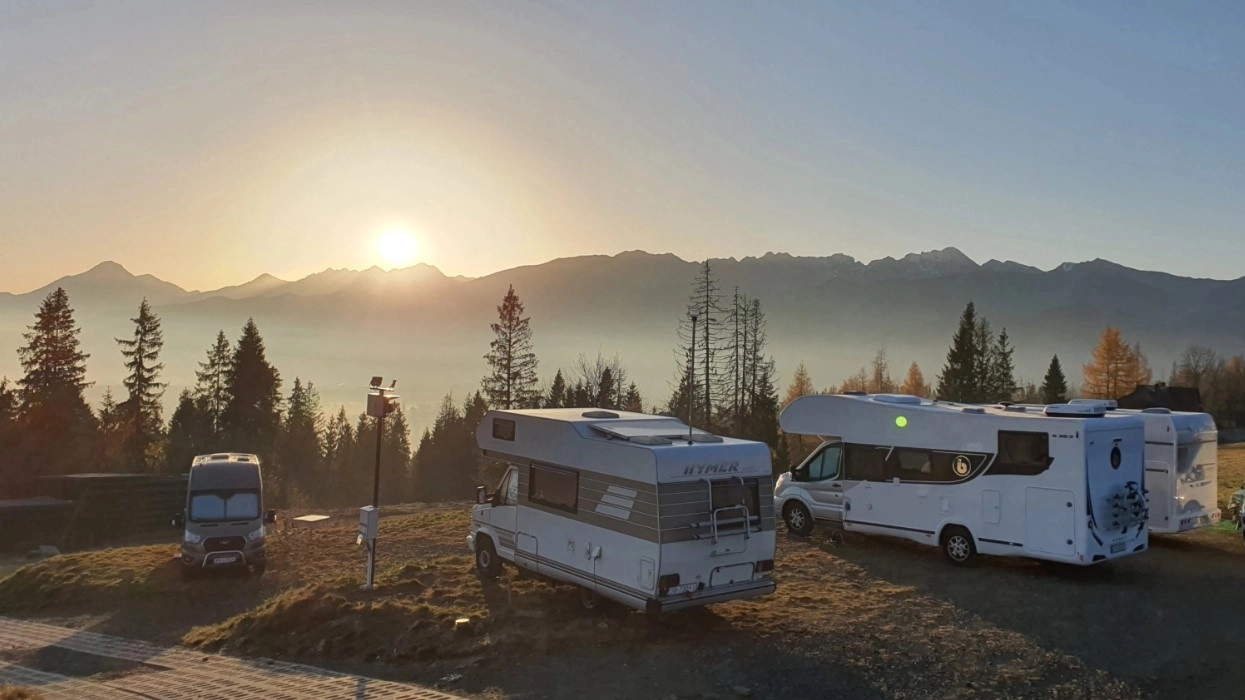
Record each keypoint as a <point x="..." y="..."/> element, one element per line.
<point x="380" y="433"/>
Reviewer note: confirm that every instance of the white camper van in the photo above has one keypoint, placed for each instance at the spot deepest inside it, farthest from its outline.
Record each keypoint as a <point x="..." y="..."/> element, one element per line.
<point x="630" y="507"/>
<point x="1182" y="464"/>
<point x="1065" y="485"/>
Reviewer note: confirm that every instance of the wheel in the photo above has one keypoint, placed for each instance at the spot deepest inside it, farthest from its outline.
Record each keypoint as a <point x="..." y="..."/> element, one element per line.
<point x="487" y="563"/>
<point x="799" y="520"/>
<point x="589" y="599"/>
<point x="957" y="544"/>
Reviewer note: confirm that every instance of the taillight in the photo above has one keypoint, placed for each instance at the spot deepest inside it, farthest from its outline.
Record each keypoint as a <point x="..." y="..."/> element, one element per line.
<point x="765" y="565"/>
<point x="668" y="581"/>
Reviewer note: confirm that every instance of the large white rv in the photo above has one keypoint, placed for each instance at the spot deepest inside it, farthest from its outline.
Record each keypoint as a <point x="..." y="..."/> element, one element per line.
<point x="1065" y="485"/>
<point x="1182" y="464"/>
<point x="630" y="507"/>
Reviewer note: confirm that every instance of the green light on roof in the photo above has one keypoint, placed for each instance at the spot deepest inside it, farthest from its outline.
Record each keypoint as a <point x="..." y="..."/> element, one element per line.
<point x="901" y="421"/>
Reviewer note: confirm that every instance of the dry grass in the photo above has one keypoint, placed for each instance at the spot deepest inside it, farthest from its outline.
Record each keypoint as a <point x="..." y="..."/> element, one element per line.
<point x="10" y="693"/>
<point x="91" y="577"/>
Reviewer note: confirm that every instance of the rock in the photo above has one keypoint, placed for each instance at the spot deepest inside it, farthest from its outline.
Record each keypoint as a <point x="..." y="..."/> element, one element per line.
<point x="742" y="691"/>
<point x="463" y="625"/>
<point x="452" y="678"/>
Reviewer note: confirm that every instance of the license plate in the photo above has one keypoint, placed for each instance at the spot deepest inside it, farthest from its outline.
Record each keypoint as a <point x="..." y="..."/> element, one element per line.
<point x="1117" y="548"/>
<point x="225" y="560"/>
<point x="680" y="590"/>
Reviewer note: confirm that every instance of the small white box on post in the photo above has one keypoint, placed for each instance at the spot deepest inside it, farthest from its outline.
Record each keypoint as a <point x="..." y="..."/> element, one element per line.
<point x="369" y="525"/>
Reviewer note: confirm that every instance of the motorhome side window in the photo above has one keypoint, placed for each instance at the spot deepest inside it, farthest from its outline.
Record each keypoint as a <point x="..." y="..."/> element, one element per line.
<point x="512" y="488"/>
<point x="555" y="488"/>
<point x="864" y="463"/>
<point x="1022" y="454"/>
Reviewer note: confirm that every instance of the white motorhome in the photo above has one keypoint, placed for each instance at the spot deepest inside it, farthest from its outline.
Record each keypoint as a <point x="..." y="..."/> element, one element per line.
<point x="1065" y="485"/>
<point x="634" y="508"/>
<point x="1182" y="464"/>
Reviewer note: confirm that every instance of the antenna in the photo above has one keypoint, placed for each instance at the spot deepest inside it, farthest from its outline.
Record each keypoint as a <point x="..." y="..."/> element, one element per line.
<point x="691" y="375"/>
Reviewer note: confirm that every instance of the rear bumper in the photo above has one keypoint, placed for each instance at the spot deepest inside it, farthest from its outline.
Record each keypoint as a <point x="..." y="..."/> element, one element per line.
<point x="721" y="594"/>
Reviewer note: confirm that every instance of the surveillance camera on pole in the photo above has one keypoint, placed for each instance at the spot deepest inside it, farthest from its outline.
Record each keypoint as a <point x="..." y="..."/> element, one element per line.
<point x="381" y="401"/>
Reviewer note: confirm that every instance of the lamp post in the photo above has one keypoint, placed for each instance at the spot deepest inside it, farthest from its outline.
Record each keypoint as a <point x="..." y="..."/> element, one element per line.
<point x="380" y="402"/>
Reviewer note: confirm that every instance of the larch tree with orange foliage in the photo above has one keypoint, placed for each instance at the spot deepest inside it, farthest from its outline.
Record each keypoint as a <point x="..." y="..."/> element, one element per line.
<point x="915" y="384"/>
<point x="1117" y="368"/>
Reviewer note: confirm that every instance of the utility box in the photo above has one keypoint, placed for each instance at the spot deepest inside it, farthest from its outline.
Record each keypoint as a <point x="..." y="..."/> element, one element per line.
<point x="369" y="522"/>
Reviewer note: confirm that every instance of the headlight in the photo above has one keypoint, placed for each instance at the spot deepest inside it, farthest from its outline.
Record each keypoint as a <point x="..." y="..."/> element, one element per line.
<point x="192" y="538"/>
<point x="256" y="534"/>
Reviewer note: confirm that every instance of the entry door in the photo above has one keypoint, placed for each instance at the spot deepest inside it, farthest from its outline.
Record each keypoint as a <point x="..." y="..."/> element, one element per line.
<point x="822" y="479"/>
<point x="1050" y="521"/>
<point x="1159" y="484"/>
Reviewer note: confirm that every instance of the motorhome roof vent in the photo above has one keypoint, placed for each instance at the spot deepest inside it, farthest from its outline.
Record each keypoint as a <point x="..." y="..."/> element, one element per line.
<point x="973" y="409"/>
<point x="1013" y="408"/>
<point x="1106" y="404"/>
<point x="1081" y="410"/>
<point x="705" y="437"/>
<point x="219" y="457"/>
<point x="897" y="398"/>
<point x="243" y="458"/>
<point x="855" y="393"/>
<point x="1007" y="404"/>
<point x="600" y="414"/>
<point x="650" y="440"/>
<point x="1159" y="411"/>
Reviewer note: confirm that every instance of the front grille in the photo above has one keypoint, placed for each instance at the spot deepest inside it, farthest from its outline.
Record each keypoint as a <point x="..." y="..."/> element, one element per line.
<point x="224" y="544"/>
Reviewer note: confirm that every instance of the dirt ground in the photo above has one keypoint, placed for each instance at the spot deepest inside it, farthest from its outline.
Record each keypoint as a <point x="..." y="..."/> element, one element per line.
<point x="870" y="618"/>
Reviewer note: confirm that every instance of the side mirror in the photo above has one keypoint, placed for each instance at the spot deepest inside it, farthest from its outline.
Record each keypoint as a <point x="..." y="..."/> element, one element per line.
<point x="177" y="521"/>
<point x="270" y="517"/>
<point x="481" y="495"/>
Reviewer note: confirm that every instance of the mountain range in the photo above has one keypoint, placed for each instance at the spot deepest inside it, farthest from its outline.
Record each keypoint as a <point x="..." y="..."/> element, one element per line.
<point x="339" y="327"/>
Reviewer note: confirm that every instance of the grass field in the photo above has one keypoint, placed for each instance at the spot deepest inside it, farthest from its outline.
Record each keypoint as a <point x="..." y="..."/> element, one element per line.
<point x="1231" y="472"/>
<point x="870" y="618"/>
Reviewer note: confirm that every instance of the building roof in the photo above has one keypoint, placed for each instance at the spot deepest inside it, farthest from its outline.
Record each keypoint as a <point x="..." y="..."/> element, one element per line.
<point x="1177" y="398"/>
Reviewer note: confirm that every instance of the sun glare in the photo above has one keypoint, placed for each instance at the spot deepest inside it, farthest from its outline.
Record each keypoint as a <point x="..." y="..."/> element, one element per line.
<point x="397" y="248"/>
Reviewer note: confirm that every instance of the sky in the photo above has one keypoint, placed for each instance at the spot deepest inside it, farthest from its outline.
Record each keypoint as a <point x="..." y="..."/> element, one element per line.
<point x="207" y="143"/>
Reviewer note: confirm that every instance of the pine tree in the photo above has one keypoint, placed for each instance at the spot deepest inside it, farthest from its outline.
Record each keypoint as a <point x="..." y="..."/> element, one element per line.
<point x="339" y="449"/>
<point x="1054" y="385"/>
<point x="706" y="317"/>
<point x="914" y="384"/>
<point x="56" y="430"/>
<point x="8" y="435"/>
<point x="112" y="434"/>
<point x="252" y="417"/>
<point x="395" y="463"/>
<point x="632" y="401"/>
<point x="1001" y="384"/>
<point x="959" y="380"/>
<point x="141" y="410"/>
<point x="446" y="467"/>
<point x="190" y="433"/>
<point x="556" y="398"/>
<point x="299" y="469"/>
<point x="8" y="405"/>
<point x="212" y="381"/>
<point x="512" y="381"/>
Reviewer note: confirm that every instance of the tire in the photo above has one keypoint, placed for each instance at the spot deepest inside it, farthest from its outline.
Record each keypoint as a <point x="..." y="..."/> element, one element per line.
<point x="487" y="563"/>
<point x="799" y="521"/>
<point x="957" y="546"/>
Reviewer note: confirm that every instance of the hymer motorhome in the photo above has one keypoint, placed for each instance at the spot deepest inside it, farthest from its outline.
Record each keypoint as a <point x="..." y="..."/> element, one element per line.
<point x="634" y="508"/>
<point x="1063" y="485"/>
<point x="224" y="518"/>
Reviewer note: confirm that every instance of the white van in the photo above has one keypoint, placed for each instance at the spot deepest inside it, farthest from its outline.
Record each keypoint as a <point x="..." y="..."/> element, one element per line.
<point x="1065" y="485"/>
<point x="634" y="508"/>
<point x="224" y="519"/>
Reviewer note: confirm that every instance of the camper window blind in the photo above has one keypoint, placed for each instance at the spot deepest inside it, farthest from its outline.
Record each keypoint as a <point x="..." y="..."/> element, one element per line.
<point x="1022" y="453"/>
<point x="555" y="488"/>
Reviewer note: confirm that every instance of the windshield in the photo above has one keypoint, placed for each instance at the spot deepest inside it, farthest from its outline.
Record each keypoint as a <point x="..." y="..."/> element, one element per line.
<point x="224" y="505"/>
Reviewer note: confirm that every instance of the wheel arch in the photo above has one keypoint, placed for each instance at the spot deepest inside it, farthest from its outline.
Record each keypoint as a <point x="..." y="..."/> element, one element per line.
<point x="942" y="529"/>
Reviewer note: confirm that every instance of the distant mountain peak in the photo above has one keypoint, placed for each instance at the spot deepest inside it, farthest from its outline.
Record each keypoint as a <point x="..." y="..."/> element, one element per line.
<point x="110" y="268"/>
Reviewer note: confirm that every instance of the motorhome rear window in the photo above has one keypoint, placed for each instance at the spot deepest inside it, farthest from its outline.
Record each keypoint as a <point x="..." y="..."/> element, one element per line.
<point x="731" y="493"/>
<point x="503" y="429"/>
<point x="1022" y="454"/>
<point x="556" y="488"/>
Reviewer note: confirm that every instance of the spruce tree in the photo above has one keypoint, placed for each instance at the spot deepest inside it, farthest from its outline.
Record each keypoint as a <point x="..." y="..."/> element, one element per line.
<point x="212" y="381"/>
<point x="113" y="425"/>
<point x="959" y="379"/>
<point x="1054" y="385"/>
<point x="57" y="430"/>
<point x="1001" y="385"/>
<point x="511" y="382"/>
<point x="190" y="433"/>
<point x="557" y="392"/>
<point x="708" y="319"/>
<point x="141" y="410"/>
<point x="632" y="401"/>
<point x="298" y="471"/>
<point x="339" y="450"/>
<point x="252" y="416"/>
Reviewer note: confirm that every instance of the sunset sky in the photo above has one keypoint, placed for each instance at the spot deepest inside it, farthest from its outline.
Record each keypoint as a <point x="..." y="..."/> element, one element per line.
<point x="207" y="142"/>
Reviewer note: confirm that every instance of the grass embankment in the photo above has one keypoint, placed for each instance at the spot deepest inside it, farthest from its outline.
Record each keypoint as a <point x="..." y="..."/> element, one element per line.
<point x="8" y="693"/>
<point x="110" y="575"/>
<point x="1231" y="472"/>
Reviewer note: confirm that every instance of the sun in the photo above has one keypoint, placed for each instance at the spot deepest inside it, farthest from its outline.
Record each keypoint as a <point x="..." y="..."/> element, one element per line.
<point x="397" y="247"/>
